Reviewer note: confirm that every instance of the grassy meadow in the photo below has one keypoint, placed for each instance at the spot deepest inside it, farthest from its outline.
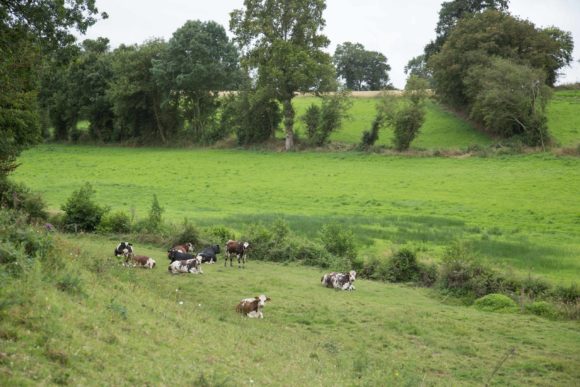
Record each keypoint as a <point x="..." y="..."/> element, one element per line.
<point x="519" y="212"/>
<point x="111" y="325"/>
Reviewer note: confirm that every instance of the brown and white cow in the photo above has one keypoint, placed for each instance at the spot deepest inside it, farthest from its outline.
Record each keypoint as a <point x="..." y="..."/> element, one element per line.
<point x="252" y="307"/>
<point x="192" y="266"/>
<point x="183" y="248"/>
<point x="237" y="248"/>
<point x="344" y="281"/>
<point x="132" y="260"/>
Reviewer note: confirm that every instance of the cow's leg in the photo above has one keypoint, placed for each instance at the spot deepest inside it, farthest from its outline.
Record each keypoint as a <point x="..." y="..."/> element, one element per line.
<point x="239" y="260"/>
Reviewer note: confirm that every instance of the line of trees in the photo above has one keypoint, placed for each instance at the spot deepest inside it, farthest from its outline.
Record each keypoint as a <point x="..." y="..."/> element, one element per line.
<point x="495" y="67"/>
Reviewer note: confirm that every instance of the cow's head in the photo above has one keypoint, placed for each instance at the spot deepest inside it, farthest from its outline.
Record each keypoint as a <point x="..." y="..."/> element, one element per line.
<point x="189" y="246"/>
<point x="261" y="299"/>
<point x="351" y="276"/>
<point x="246" y="245"/>
<point x="216" y="248"/>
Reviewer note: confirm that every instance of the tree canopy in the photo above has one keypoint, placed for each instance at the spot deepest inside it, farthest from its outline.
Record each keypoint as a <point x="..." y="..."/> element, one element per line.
<point x="361" y="69"/>
<point x="282" y="43"/>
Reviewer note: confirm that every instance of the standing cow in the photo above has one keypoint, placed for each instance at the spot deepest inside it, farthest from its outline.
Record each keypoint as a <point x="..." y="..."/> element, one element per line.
<point x="344" y="281"/>
<point x="237" y="248"/>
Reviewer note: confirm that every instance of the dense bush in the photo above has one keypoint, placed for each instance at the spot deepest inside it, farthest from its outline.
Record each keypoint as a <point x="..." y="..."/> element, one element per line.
<point x="338" y="241"/>
<point x="117" y="222"/>
<point x="81" y="213"/>
<point x="19" y="197"/>
<point x="370" y="137"/>
<point x="322" y="121"/>
<point x="403" y="266"/>
<point x="188" y="233"/>
<point x="543" y="309"/>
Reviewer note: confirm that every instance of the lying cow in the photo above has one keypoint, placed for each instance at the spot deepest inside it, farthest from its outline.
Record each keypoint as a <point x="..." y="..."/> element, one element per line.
<point x="183" y="248"/>
<point x="175" y="255"/>
<point x="237" y="248"/>
<point x="132" y="260"/>
<point x="208" y="254"/>
<point x="123" y="248"/>
<point x="342" y="281"/>
<point x="192" y="266"/>
<point x="252" y="307"/>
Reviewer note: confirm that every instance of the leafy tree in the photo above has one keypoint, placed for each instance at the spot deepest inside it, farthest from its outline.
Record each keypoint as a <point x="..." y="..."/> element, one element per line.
<point x="282" y="43"/>
<point x="361" y="69"/>
<point x="453" y="11"/>
<point x="154" y="221"/>
<point x="199" y="61"/>
<point x="81" y="213"/>
<point x="405" y="114"/>
<point x="418" y="66"/>
<point x="137" y="100"/>
<point x="26" y="30"/>
<point x="509" y="99"/>
<point x="477" y="39"/>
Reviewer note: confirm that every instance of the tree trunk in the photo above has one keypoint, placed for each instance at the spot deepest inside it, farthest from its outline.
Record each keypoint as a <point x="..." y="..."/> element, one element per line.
<point x="158" y="120"/>
<point x="289" y="123"/>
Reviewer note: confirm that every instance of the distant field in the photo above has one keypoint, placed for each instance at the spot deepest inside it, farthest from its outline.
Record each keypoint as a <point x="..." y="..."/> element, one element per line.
<point x="519" y="212"/>
<point x="564" y="117"/>
<point x="442" y="130"/>
<point x="121" y="327"/>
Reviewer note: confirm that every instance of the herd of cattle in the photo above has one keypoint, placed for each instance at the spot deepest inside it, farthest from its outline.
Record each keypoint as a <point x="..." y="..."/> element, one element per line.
<point x="183" y="260"/>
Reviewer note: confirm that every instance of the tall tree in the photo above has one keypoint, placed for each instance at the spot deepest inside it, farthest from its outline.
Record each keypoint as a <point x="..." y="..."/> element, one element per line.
<point x="282" y="42"/>
<point x="453" y="11"/>
<point x="361" y="69"/>
<point x="27" y="28"/>
<point x="199" y="61"/>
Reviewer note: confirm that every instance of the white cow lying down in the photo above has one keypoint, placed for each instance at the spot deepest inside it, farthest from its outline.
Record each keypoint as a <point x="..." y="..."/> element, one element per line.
<point x="344" y="281"/>
<point x="192" y="266"/>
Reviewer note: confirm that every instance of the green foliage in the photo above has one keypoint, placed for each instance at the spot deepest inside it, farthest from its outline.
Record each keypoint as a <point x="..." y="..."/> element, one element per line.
<point x="283" y="44"/>
<point x="188" y="234"/>
<point x="115" y="222"/>
<point x="81" y="213"/>
<point x="198" y="62"/>
<point x="361" y="69"/>
<point x="253" y="115"/>
<point x="567" y="294"/>
<point x="338" y="240"/>
<point x="369" y="138"/>
<point x="322" y="122"/>
<point x="496" y="303"/>
<point x="543" y="309"/>
<point x="403" y="266"/>
<point x="154" y="221"/>
<point x="70" y="283"/>
<point x="19" y="197"/>
<point x="509" y="99"/>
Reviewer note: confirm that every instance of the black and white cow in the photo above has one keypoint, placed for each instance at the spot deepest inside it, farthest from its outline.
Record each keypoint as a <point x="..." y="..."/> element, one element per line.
<point x="252" y="307"/>
<point x="123" y="248"/>
<point x="237" y="248"/>
<point x="344" y="281"/>
<point x="175" y="255"/>
<point x="209" y="253"/>
<point x="192" y="266"/>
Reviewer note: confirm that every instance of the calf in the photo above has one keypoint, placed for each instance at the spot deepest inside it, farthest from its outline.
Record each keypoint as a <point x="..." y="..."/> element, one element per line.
<point x="252" y="307"/>
<point x="192" y="266"/>
<point x="132" y="260"/>
<point x="183" y="248"/>
<point x="209" y="254"/>
<point x="237" y="248"/>
<point x="342" y="281"/>
<point x="123" y="248"/>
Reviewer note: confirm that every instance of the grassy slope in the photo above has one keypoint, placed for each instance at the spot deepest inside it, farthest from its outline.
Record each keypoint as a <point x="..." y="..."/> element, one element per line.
<point x="442" y="130"/>
<point x="518" y="210"/>
<point x="564" y="117"/>
<point x="130" y="329"/>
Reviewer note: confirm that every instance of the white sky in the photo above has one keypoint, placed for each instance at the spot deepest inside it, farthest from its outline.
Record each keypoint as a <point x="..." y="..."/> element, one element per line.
<point x="398" y="29"/>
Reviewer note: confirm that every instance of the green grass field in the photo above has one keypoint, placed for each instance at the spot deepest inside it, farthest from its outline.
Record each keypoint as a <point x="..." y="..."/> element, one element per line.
<point x="519" y="212"/>
<point x="121" y="326"/>
<point x="564" y="117"/>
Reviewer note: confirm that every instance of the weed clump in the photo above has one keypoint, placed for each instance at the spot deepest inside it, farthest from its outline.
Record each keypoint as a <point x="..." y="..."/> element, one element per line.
<point x="496" y="303"/>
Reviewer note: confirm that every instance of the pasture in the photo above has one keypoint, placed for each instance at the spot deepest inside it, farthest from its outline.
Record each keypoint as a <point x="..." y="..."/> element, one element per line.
<point x="118" y="326"/>
<point x="518" y="212"/>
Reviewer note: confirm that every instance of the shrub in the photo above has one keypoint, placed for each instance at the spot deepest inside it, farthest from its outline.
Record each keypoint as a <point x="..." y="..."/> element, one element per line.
<point x="496" y="303"/>
<point x="370" y="137"/>
<point x="338" y="240"/>
<point x="322" y="122"/>
<point x="154" y="221"/>
<point x="189" y="234"/>
<point x="19" y="197"/>
<point x="81" y="213"/>
<point x="220" y="233"/>
<point x="117" y="222"/>
<point x="543" y="309"/>
<point x="403" y="266"/>
<point x="567" y="294"/>
<point x="427" y="275"/>
<point x="70" y="283"/>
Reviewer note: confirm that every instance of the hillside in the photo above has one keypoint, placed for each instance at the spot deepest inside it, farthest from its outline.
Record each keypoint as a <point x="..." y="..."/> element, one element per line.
<point x="118" y="326"/>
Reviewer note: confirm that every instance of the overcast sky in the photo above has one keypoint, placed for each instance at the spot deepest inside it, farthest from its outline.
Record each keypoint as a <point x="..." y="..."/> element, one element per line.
<point x="398" y="29"/>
